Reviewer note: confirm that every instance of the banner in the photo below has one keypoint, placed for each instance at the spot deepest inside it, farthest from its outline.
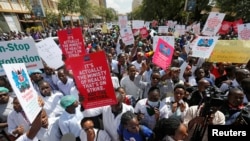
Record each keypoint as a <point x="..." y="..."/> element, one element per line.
<point x="244" y="31"/>
<point x="213" y="23"/>
<point x="49" y="50"/>
<point x="169" y="39"/>
<point x="71" y="42"/>
<point x="20" y="51"/>
<point x="144" y="33"/>
<point x="92" y="76"/>
<point x="23" y="88"/>
<point x="127" y="36"/>
<point x="233" y="51"/>
<point x="204" y="46"/>
<point x="225" y="27"/>
<point x="163" y="54"/>
<point x="123" y="21"/>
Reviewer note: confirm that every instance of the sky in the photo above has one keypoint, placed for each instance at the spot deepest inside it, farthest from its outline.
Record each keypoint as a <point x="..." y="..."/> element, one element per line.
<point x="122" y="6"/>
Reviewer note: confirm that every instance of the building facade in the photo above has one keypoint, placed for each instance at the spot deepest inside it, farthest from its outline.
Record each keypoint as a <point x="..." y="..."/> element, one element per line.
<point x="15" y="15"/>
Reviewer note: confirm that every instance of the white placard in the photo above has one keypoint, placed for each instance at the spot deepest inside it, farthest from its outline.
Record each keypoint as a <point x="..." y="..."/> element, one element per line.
<point x="213" y="23"/>
<point x="162" y="29"/>
<point x="22" y="86"/>
<point x="137" y="24"/>
<point x="204" y="46"/>
<point x="127" y="36"/>
<point x="49" y="51"/>
<point x="20" y="51"/>
<point x="123" y="21"/>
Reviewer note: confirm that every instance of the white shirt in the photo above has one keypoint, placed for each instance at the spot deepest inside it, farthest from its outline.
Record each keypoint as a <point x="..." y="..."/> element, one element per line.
<point x="65" y="88"/>
<point x="25" y="138"/>
<point x="130" y="87"/>
<point x="146" y="76"/>
<point x="110" y="122"/>
<point x="168" y="101"/>
<point x="115" y="82"/>
<point x="16" y="119"/>
<point x="5" y="109"/>
<point x="52" y="133"/>
<point x="52" y="104"/>
<point x="148" y="120"/>
<point x="137" y="65"/>
<point x="102" y="135"/>
<point x="70" y="123"/>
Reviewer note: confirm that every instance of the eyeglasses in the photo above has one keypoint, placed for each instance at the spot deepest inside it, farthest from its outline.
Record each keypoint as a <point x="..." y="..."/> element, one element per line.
<point x="87" y="129"/>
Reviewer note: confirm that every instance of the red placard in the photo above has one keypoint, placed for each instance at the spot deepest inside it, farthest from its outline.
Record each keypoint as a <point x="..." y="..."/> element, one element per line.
<point x="144" y="32"/>
<point x="71" y="42"/>
<point x="93" y="79"/>
<point x="235" y="25"/>
<point x="225" y="27"/>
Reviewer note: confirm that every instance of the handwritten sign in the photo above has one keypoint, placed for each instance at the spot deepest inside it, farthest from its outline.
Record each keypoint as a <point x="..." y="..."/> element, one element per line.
<point x="20" y="51"/>
<point x="163" y="54"/>
<point x="71" y="42"/>
<point x="49" y="50"/>
<point x="233" y="51"/>
<point x="92" y="76"/>
<point x="22" y="86"/>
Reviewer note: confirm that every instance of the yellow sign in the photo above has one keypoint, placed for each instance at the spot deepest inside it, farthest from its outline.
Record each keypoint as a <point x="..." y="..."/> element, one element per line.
<point x="233" y="51"/>
<point x="104" y="28"/>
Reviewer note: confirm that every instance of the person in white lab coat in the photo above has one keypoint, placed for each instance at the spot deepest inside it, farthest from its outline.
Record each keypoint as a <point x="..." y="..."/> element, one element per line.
<point x="111" y="115"/>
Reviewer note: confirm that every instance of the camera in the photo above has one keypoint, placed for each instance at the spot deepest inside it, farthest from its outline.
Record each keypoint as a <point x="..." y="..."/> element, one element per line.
<point x="212" y="98"/>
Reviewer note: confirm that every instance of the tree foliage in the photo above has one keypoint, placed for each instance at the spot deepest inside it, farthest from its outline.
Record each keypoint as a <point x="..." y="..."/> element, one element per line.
<point x="235" y="9"/>
<point x="169" y="10"/>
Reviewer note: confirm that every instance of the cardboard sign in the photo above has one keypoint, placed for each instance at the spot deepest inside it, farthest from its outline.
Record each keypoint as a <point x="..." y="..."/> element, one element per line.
<point x="163" y="54"/>
<point x="71" y="42"/>
<point x="233" y="51"/>
<point x="23" y="88"/>
<point x="49" y="50"/>
<point x="92" y="76"/>
<point x="20" y="51"/>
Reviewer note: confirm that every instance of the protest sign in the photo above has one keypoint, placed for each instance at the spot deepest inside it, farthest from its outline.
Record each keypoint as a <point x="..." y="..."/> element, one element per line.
<point x="49" y="51"/>
<point x="233" y="51"/>
<point x="244" y="31"/>
<point x="162" y="29"/>
<point x="235" y="25"/>
<point x="22" y="86"/>
<point x="105" y="28"/>
<point x="163" y="54"/>
<point x="92" y="77"/>
<point x="71" y="42"/>
<point x="127" y="36"/>
<point x="203" y="46"/>
<point x="123" y="21"/>
<point x="137" y="24"/>
<point x="213" y="23"/>
<point x="20" y="51"/>
<point x="169" y="39"/>
<point x="144" y="33"/>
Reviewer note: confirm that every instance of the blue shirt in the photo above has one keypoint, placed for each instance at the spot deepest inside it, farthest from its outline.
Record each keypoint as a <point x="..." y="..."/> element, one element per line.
<point x="145" y="132"/>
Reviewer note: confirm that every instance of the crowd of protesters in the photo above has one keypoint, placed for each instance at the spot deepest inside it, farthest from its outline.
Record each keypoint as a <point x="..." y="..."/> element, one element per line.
<point x="153" y="104"/>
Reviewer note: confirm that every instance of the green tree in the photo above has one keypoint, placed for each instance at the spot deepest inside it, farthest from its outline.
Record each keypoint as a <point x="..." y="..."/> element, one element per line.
<point x="235" y="9"/>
